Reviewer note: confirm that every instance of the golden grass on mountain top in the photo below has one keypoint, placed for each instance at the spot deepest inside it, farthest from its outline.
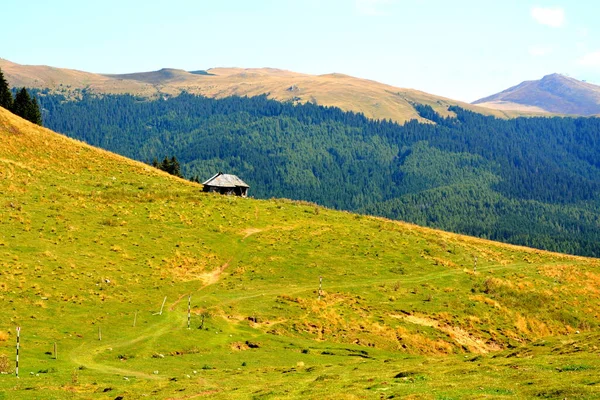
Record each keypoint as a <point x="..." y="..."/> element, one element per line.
<point x="373" y="99"/>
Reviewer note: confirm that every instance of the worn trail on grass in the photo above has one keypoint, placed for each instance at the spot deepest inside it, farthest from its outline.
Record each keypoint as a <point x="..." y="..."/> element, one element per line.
<point x="368" y="284"/>
<point x="208" y="278"/>
<point x="85" y="354"/>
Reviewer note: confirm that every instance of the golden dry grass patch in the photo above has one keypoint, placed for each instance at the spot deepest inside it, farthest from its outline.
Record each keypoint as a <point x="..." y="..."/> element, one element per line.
<point x="459" y="335"/>
<point x="186" y="267"/>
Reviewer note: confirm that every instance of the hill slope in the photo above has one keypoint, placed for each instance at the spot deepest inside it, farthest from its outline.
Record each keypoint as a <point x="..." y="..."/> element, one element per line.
<point x="554" y="93"/>
<point x="374" y="99"/>
<point x="530" y="181"/>
<point x="92" y="243"/>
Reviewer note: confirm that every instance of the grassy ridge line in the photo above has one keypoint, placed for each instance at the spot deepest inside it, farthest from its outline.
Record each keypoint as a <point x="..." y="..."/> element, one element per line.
<point x="46" y="147"/>
<point x="374" y="99"/>
<point x="73" y="217"/>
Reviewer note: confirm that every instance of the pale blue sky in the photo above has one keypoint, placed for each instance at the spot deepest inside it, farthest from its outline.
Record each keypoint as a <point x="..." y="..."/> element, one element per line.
<point x="462" y="49"/>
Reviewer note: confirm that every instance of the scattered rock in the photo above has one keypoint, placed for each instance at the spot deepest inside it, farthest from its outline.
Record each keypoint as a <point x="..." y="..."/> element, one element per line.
<point x="404" y="374"/>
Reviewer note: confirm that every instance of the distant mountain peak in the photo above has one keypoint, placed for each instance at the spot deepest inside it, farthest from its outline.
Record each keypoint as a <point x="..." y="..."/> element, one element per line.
<point x="554" y="93"/>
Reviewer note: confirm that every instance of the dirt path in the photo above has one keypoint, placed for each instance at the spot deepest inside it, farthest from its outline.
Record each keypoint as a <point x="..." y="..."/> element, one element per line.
<point x="213" y="277"/>
<point x="249" y="232"/>
<point x="85" y="354"/>
<point x="208" y="278"/>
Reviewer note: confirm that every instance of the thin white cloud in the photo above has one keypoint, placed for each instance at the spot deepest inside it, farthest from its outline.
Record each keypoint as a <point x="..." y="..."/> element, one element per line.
<point x="554" y="16"/>
<point x="590" y="59"/>
<point x="583" y="32"/>
<point x="371" y="8"/>
<point x="540" y="51"/>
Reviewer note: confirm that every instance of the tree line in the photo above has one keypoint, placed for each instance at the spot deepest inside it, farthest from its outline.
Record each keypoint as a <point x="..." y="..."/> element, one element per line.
<point x="23" y="105"/>
<point x="530" y="181"/>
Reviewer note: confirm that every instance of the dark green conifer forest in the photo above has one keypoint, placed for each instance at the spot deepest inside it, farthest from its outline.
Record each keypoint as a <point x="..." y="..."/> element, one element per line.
<point x="529" y="181"/>
<point x="22" y="105"/>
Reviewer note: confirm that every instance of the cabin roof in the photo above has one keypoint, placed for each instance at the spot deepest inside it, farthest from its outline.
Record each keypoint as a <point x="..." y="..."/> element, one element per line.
<point x="226" y="180"/>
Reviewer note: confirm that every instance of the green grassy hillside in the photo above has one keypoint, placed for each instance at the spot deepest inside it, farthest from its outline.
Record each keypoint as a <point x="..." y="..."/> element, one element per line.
<point x="92" y="243"/>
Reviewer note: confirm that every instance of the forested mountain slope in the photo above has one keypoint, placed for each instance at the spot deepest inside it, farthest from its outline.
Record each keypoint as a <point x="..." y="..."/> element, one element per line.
<point x="532" y="181"/>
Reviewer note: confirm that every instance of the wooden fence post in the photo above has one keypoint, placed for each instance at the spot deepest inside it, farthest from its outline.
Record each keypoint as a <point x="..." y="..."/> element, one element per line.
<point x="18" y="343"/>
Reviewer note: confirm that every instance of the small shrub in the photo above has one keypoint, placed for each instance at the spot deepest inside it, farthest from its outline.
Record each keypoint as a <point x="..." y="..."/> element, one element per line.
<point x="110" y="222"/>
<point x="3" y="336"/>
<point x="4" y="364"/>
<point x="575" y="368"/>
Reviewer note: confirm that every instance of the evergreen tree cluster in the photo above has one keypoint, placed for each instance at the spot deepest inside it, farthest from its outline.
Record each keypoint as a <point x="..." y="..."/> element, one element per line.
<point x="169" y="165"/>
<point x="530" y="181"/>
<point x="23" y="105"/>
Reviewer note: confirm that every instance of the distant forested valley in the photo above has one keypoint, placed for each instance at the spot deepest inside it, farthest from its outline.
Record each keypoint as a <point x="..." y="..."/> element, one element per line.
<point x="528" y="181"/>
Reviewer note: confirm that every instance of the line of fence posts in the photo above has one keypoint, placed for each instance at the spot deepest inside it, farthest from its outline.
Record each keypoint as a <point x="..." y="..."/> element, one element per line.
<point x="55" y="345"/>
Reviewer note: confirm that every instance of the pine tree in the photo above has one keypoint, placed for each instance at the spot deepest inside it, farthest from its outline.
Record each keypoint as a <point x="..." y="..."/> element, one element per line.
<point x="27" y="107"/>
<point x="175" y="168"/>
<point x="168" y="165"/>
<point x="22" y="103"/>
<point x="33" y="112"/>
<point x="165" y="165"/>
<point x="6" y="99"/>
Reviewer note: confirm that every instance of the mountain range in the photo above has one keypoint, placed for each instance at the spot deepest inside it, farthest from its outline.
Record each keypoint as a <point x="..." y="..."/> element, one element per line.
<point x="373" y="99"/>
<point x="553" y="94"/>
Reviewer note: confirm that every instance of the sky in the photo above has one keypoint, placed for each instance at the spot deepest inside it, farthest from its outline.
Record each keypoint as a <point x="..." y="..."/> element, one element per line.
<point x="461" y="49"/>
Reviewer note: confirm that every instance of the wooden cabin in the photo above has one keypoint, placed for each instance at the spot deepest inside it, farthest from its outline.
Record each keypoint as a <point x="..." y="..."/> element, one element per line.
<point x="226" y="184"/>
